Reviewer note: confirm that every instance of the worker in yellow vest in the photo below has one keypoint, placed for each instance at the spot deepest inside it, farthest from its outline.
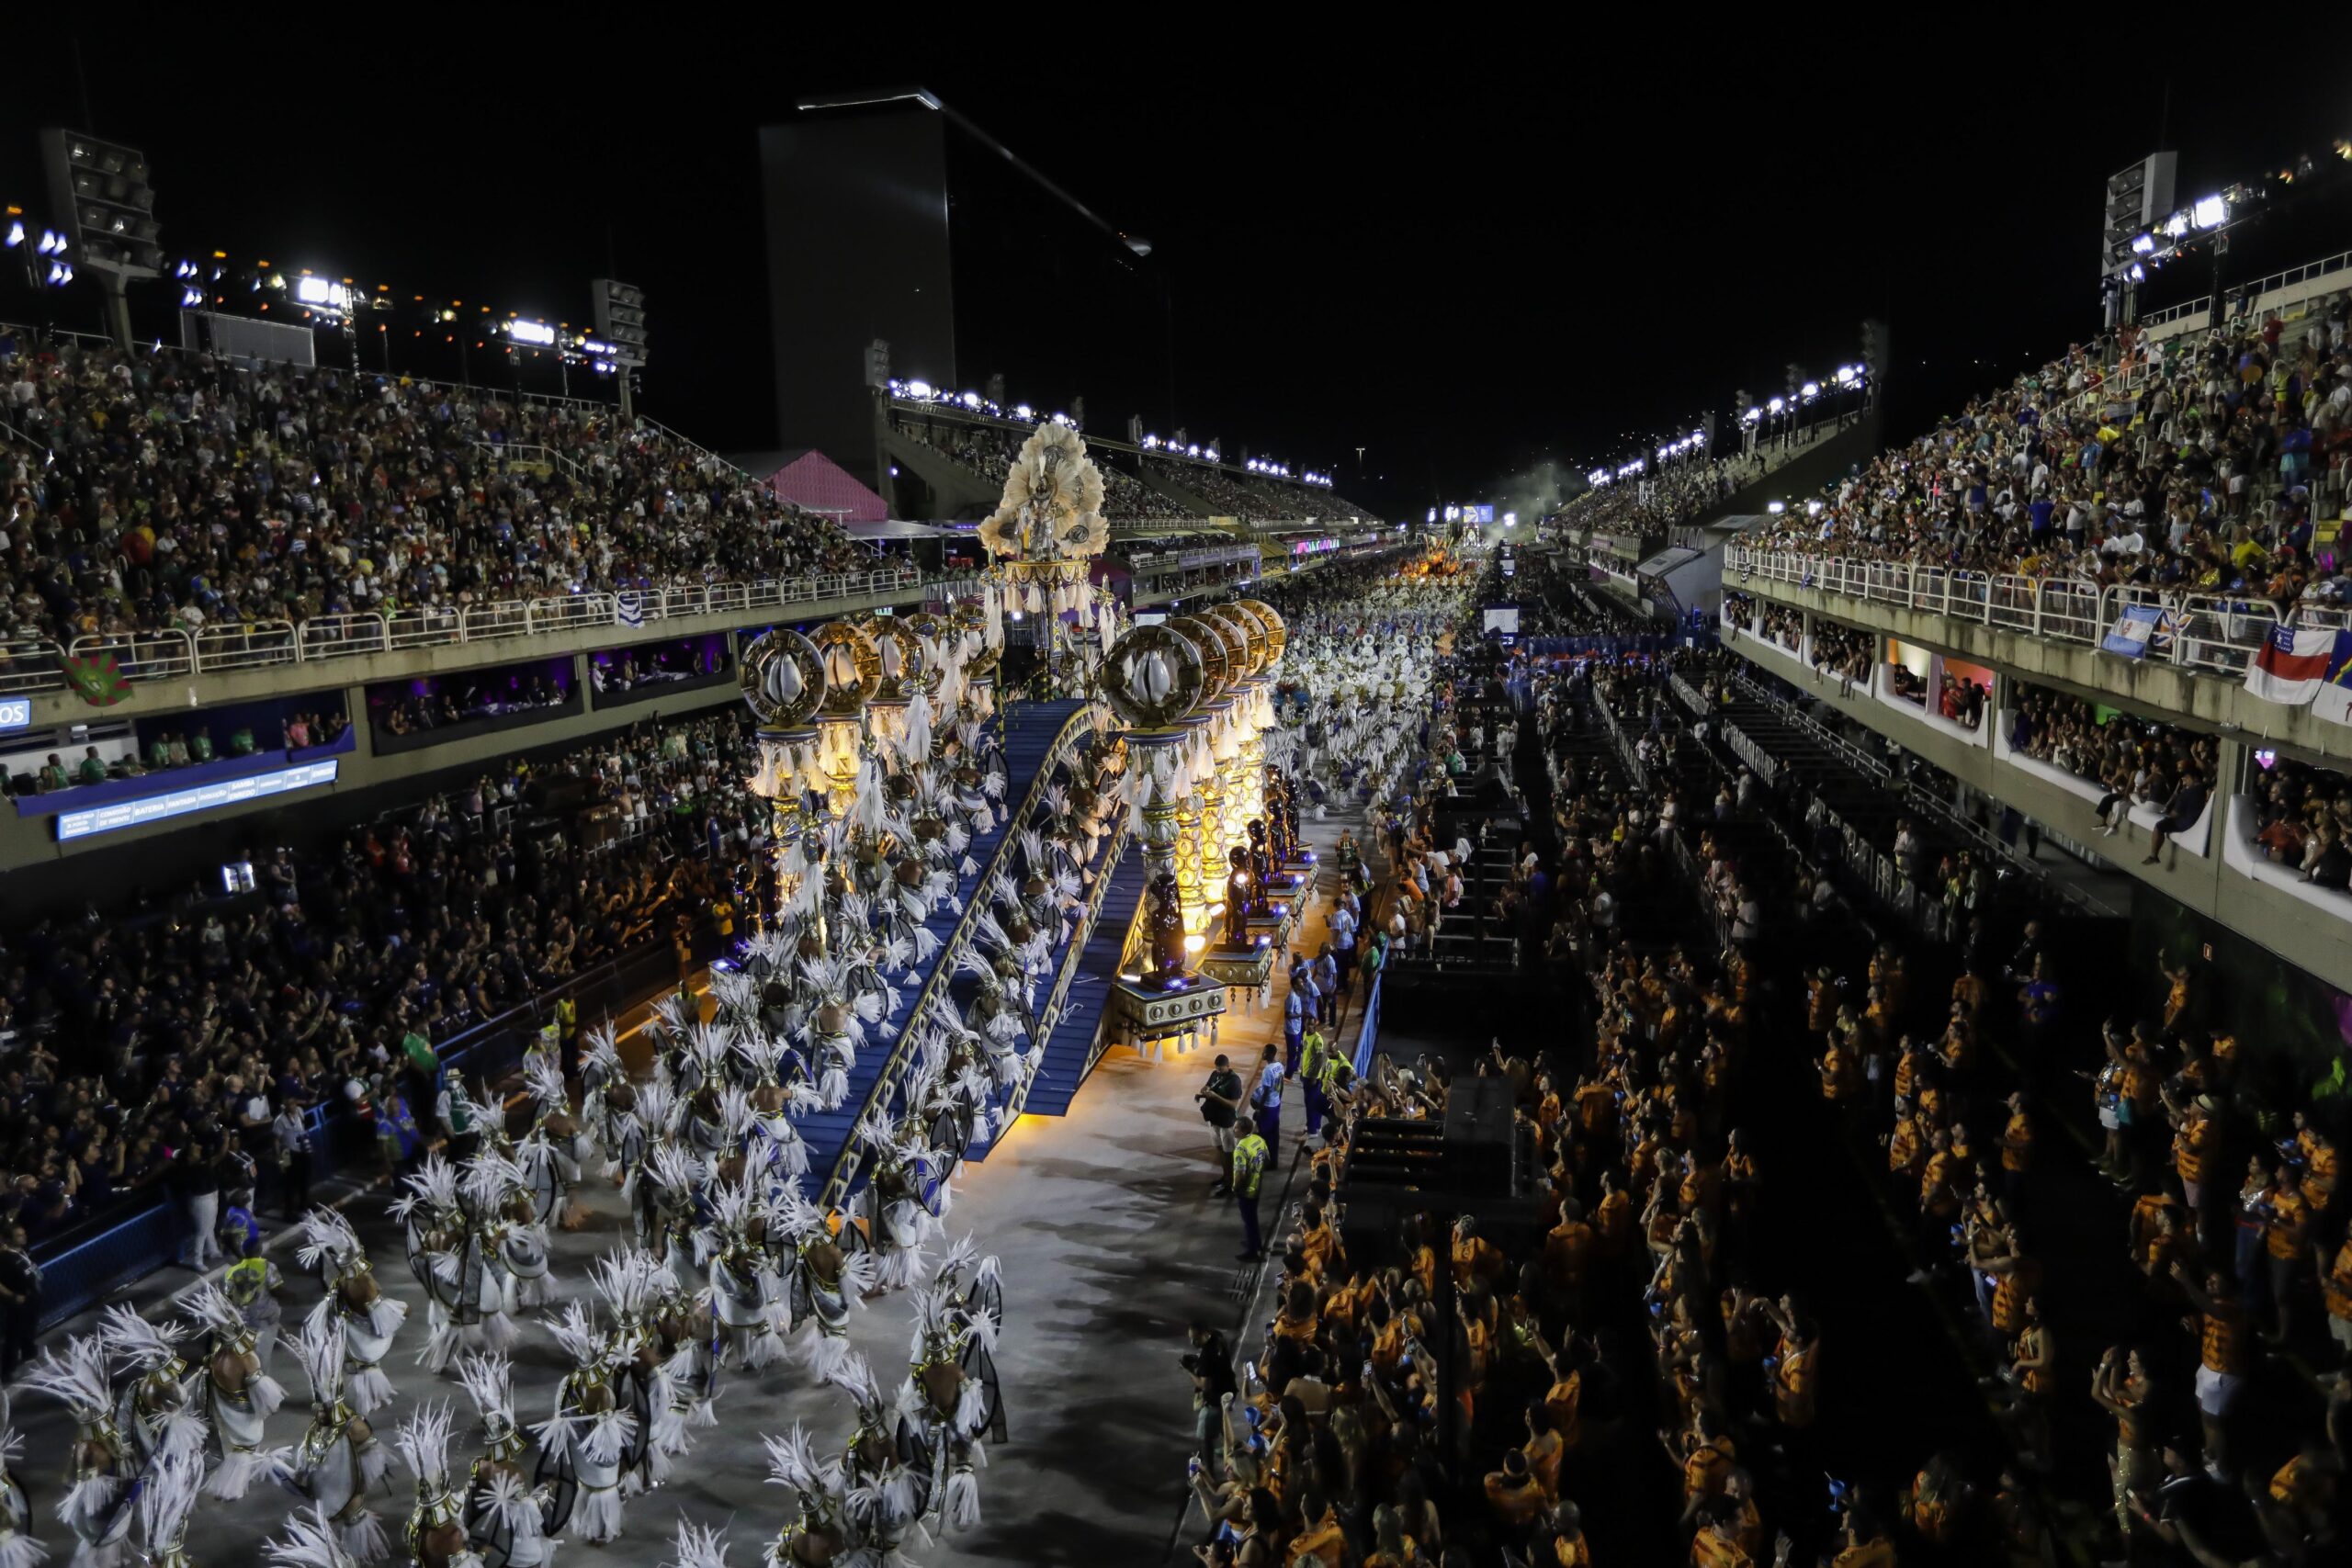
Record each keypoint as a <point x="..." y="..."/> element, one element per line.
<point x="1248" y="1171"/>
<point x="1314" y="1072"/>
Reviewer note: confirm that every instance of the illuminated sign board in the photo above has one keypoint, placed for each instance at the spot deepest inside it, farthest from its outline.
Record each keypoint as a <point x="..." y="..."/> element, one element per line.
<point x="15" y="713"/>
<point x="117" y="815"/>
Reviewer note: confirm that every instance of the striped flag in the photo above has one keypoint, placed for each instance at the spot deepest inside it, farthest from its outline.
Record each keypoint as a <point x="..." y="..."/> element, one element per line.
<point x="2291" y="665"/>
<point x="2333" y="701"/>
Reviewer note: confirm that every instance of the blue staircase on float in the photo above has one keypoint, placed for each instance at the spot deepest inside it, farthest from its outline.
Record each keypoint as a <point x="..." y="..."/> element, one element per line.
<point x="1029" y="735"/>
<point x="1071" y="1039"/>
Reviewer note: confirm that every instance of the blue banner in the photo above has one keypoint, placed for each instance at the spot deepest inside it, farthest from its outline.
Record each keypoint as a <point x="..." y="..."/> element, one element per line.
<point x="2134" y="631"/>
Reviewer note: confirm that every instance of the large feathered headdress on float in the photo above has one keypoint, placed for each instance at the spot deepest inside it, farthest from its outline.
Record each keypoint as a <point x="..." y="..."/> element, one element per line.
<point x="1053" y="500"/>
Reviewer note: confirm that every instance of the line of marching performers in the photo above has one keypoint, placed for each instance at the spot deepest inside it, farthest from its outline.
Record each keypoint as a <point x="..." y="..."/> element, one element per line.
<point x="725" y="1266"/>
<point x="743" y="1275"/>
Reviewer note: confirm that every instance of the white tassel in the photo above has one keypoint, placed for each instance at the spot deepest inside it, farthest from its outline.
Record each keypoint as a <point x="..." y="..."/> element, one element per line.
<point x="963" y="1511"/>
<point x="364" y="1537"/>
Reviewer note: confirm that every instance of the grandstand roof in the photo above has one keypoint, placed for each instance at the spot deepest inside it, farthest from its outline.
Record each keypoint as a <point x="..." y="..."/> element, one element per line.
<point x="807" y="478"/>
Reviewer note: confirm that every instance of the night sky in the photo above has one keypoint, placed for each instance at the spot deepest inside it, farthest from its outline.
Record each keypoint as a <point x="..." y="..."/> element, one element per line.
<point x="1467" y="263"/>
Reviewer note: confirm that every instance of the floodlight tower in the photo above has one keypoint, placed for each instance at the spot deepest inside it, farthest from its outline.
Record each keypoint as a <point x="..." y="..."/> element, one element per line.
<point x="620" y="321"/>
<point x="100" y="191"/>
<point x="2136" y="198"/>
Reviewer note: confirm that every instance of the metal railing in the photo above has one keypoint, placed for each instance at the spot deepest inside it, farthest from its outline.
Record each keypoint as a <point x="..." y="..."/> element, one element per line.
<point x="2212" y="632"/>
<point x="1049" y="1016"/>
<point x="33" y="664"/>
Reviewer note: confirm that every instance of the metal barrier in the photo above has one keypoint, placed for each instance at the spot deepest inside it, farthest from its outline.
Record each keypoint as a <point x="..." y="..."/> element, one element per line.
<point x="2201" y="631"/>
<point x="32" y="664"/>
<point x="142" y="656"/>
<point x="246" y="644"/>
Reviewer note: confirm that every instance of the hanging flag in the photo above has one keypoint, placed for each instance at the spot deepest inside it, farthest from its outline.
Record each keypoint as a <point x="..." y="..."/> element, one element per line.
<point x="2133" y="630"/>
<point x="96" y="678"/>
<point x="2291" y="665"/>
<point x="629" y="610"/>
<point x="2333" y="701"/>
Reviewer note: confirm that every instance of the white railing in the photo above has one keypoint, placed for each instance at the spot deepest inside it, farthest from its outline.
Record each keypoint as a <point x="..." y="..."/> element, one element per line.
<point x="33" y="664"/>
<point x="2218" y="633"/>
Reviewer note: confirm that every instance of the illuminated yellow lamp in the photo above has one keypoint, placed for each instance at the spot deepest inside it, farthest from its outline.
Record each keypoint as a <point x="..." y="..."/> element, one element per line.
<point x="1195" y="942"/>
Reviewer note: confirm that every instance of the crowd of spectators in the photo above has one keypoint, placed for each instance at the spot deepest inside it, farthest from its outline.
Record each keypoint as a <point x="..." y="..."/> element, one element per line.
<point x="2137" y="763"/>
<point x="634" y="669"/>
<point x="167" y="749"/>
<point x="1676" y="492"/>
<point x="165" y="1045"/>
<point x="2303" y="821"/>
<point x="2211" y="462"/>
<point x="435" y="704"/>
<point x="1843" y="652"/>
<point x="164" y="489"/>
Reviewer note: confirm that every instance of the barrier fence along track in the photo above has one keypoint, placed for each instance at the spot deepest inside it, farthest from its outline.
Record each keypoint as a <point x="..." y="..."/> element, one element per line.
<point x="2215" y="633"/>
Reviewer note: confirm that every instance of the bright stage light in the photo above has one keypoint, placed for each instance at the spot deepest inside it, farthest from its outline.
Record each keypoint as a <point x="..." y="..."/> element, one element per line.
<point x="2209" y="213"/>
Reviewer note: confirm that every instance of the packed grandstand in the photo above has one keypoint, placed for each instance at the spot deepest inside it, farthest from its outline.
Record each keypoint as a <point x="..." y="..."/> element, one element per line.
<point x="1839" y="1197"/>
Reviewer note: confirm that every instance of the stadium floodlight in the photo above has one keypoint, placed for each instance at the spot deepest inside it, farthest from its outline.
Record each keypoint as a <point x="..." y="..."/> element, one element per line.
<point x="52" y="243"/>
<point x="537" y="333"/>
<point x="919" y="390"/>
<point x="620" y="321"/>
<point x="190" y="299"/>
<point x="2211" y="212"/>
<point x="16" y="233"/>
<point x="1776" y="405"/>
<point x="2142" y="244"/>
<point x="2138" y="274"/>
<point x="1847" y="375"/>
<point x="1776" y="507"/>
<point x="971" y="399"/>
<point x="1210" y="455"/>
<point x="1022" y="411"/>
<point x="100" y="191"/>
<point x="1432" y="516"/>
<point x="1812" y="390"/>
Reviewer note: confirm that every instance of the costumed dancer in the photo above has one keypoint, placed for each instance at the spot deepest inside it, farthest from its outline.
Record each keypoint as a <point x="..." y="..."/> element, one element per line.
<point x="817" y="1532"/>
<point x="338" y="1457"/>
<point x="632" y="1284"/>
<point x="832" y="1270"/>
<point x="436" y="1533"/>
<point x="887" y="1495"/>
<point x="167" y="1492"/>
<point x="698" y="1546"/>
<point x="903" y="1199"/>
<point x="753" y="1309"/>
<point x="553" y="1154"/>
<point x="586" y="1442"/>
<point x="607" y="1099"/>
<point x="509" y="1520"/>
<point x="355" y="1302"/>
<point x="309" y="1541"/>
<point x="17" y="1547"/>
<point x="158" y="1386"/>
<point x="97" y="1504"/>
<point x="514" y="1245"/>
<point x="950" y="1400"/>
<point x="239" y="1396"/>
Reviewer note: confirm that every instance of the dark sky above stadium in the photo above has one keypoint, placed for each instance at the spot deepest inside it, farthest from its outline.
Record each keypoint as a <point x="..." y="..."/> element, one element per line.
<point x="1468" y="256"/>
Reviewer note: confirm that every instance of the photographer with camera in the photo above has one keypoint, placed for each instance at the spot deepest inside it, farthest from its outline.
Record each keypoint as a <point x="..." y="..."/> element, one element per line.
<point x="1220" y="1104"/>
